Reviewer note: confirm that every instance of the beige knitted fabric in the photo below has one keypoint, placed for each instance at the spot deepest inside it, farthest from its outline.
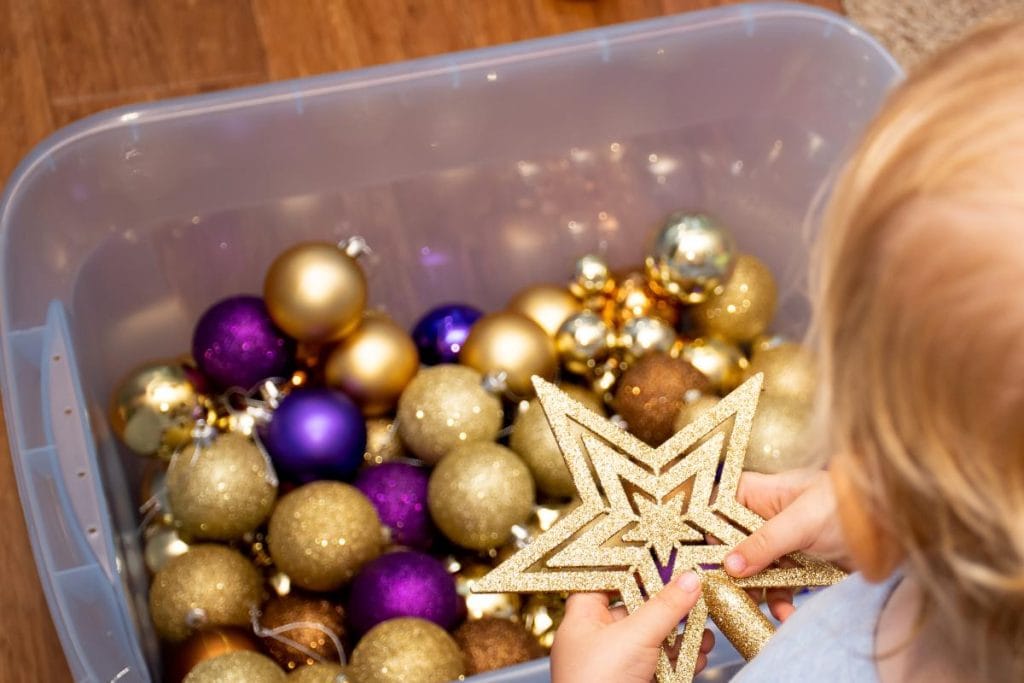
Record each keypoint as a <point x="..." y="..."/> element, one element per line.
<point x="914" y="29"/>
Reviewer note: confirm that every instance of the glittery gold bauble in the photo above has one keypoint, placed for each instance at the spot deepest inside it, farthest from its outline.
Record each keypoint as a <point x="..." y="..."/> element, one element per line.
<point x="542" y="615"/>
<point x="582" y="342"/>
<point x="322" y="533"/>
<point x="477" y="492"/>
<point x="480" y="605"/>
<point x="153" y="409"/>
<point x="206" y="644"/>
<point x="315" y="292"/>
<point x="643" y="335"/>
<point x="491" y="643"/>
<point x="591" y="278"/>
<point x="789" y="371"/>
<point x="741" y="308"/>
<point x="444" y="406"/>
<point x="634" y="297"/>
<point x="382" y="442"/>
<point x="237" y="667"/>
<point x="691" y="255"/>
<point x="511" y="343"/>
<point x="221" y="490"/>
<point x="547" y="305"/>
<point x="406" y="650"/>
<point x="778" y="436"/>
<point x="319" y="673"/>
<point x="652" y="392"/>
<point x="721" y="362"/>
<point x="162" y="544"/>
<point x="533" y="440"/>
<point x="210" y="585"/>
<point x="373" y="364"/>
<point x="290" y="618"/>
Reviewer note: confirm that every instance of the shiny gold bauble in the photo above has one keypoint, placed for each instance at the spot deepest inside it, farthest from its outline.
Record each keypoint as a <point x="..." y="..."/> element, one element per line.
<point x="789" y="371"/>
<point x="382" y="442"/>
<point x="373" y="364"/>
<point x="542" y="615"/>
<point x="741" y="308"/>
<point x="444" y="406"/>
<point x="591" y="278"/>
<point x="721" y="362"/>
<point x="491" y="643"/>
<point x="634" y="297"/>
<point x="691" y="255"/>
<point x="582" y="342"/>
<point x="547" y="305"/>
<point x="778" y="436"/>
<point x="652" y="392"/>
<point x="406" y="650"/>
<point x="642" y="335"/>
<point x="220" y="491"/>
<point x="162" y="544"/>
<point x="291" y="617"/>
<point x="210" y="585"/>
<point x="510" y="343"/>
<point x="325" y="672"/>
<point x="535" y="443"/>
<point x="206" y="644"/>
<point x="477" y="492"/>
<point x="480" y="605"/>
<point x="315" y="292"/>
<point x="237" y="667"/>
<point x="322" y="533"/>
<point x="153" y="409"/>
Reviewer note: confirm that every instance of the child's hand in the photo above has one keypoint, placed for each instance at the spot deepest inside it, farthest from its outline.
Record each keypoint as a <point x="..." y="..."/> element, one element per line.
<point x="596" y="644"/>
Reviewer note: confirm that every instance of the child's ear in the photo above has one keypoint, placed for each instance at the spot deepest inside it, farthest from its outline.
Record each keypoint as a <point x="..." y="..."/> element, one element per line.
<point x="874" y="552"/>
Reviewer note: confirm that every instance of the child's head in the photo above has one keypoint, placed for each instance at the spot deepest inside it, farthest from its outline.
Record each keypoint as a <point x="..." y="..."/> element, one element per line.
<point x="920" y="332"/>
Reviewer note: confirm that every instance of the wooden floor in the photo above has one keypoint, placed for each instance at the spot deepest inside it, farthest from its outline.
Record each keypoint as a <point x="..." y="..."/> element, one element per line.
<point x="63" y="59"/>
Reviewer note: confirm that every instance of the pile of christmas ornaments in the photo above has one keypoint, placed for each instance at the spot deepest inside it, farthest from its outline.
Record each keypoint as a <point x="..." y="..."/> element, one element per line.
<point x="325" y="486"/>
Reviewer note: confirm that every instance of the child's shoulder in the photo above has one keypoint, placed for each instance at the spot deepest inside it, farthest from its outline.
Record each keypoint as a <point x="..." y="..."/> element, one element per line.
<point x="831" y="637"/>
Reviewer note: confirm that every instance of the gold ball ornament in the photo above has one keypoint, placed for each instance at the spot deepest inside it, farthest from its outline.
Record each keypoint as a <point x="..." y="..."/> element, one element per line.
<point x="534" y="442"/>
<point x="477" y="492"/>
<point x="315" y="292"/>
<point x="642" y="335"/>
<point x="652" y="392"/>
<point x="162" y="544"/>
<point x="480" y="605"/>
<point x="373" y="364"/>
<point x="693" y="407"/>
<point x="322" y="533"/>
<point x="789" y="371"/>
<point x="778" y="436"/>
<point x="691" y="255"/>
<point x="222" y="490"/>
<point x="510" y="343"/>
<point x="491" y="643"/>
<point x="406" y="650"/>
<point x="206" y="644"/>
<point x="582" y="342"/>
<point x="721" y="362"/>
<point x="237" y="667"/>
<point x="547" y="305"/>
<point x="741" y="308"/>
<point x="382" y="442"/>
<point x="542" y="615"/>
<point x="210" y="585"/>
<point x="444" y="406"/>
<point x="591" y="278"/>
<point x="292" y="617"/>
<point x="634" y="297"/>
<point x="153" y="409"/>
<point x="325" y="672"/>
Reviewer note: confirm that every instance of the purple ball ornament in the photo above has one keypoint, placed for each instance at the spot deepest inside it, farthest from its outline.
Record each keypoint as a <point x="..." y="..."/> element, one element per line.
<point x="236" y="344"/>
<point x="440" y="334"/>
<point x="315" y="433"/>
<point x="402" y="584"/>
<point x="399" y="492"/>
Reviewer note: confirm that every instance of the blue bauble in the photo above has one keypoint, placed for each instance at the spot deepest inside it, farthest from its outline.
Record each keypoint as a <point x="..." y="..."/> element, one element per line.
<point x="440" y="334"/>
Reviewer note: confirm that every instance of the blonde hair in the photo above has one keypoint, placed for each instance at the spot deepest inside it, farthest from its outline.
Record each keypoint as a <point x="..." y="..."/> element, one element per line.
<point x="919" y="327"/>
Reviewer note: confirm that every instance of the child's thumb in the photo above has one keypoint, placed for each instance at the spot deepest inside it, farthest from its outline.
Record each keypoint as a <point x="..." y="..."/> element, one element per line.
<point x="661" y="614"/>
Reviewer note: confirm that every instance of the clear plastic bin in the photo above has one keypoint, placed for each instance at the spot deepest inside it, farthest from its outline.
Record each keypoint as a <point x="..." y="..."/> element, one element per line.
<point x="470" y="174"/>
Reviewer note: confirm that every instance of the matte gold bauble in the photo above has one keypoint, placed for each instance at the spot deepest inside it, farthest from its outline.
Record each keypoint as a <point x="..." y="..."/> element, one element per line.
<point x="741" y="308"/>
<point x="480" y="605"/>
<point x="691" y="255"/>
<point x="315" y="292"/>
<point x="789" y="371"/>
<point x="210" y="585"/>
<point x="633" y="297"/>
<point x="535" y="443"/>
<point x="542" y="615"/>
<point x="221" y="490"/>
<point x="642" y="335"/>
<point x="547" y="305"/>
<point x="406" y="650"/>
<point x="322" y="533"/>
<point x="721" y="362"/>
<point x="510" y="343"/>
<point x="694" y="407"/>
<point x="444" y="406"/>
<point x="491" y="643"/>
<point x="292" y="618"/>
<point x="652" y="392"/>
<point x="161" y="545"/>
<point x="373" y="364"/>
<point x="237" y="667"/>
<point x="778" y="436"/>
<point x="153" y="409"/>
<point x="382" y="442"/>
<point x="325" y="672"/>
<point x="582" y="342"/>
<point x="207" y="644"/>
<point x="477" y="492"/>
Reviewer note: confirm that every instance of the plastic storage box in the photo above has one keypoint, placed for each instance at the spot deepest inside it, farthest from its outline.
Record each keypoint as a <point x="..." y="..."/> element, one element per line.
<point x="471" y="175"/>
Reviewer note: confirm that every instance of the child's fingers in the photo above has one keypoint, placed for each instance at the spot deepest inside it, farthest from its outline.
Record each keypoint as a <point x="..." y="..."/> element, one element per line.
<point x="707" y="641"/>
<point x="587" y="606"/>
<point x="782" y="609"/>
<point x="657" y="617"/>
<point x="784" y="533"/>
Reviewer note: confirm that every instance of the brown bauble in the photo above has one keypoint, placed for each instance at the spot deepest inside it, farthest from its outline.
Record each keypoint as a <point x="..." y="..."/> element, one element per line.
<point x="206" y="644"/>
<point x="652" y="392"/>
<point x="290" y="617"/>
<point x="492" y="643"/>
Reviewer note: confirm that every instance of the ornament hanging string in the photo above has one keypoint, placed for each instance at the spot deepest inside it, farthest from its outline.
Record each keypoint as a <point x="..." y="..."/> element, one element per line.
<point x="276" y="634"/>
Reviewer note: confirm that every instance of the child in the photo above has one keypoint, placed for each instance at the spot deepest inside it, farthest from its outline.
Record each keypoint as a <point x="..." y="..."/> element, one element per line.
<point x="919" y="323"/>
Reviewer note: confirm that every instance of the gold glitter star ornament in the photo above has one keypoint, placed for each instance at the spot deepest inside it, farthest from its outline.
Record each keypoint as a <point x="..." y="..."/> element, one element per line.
<point x="645" y="508"/>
